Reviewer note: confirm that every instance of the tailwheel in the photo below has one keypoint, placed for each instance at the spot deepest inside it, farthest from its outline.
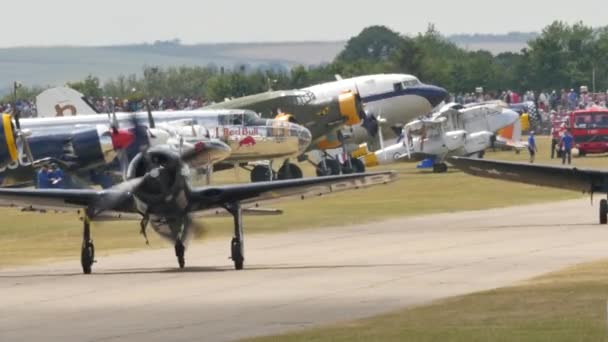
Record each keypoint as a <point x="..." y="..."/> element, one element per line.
<point x="236" y="249"/>
<point x="180" y="252"/>
<point x="604" y="211"/>
<point x="290" y="171"/>
<point x="87" y="257"/>
<point x="328" y="167"/>
<point x="261" y="173"/>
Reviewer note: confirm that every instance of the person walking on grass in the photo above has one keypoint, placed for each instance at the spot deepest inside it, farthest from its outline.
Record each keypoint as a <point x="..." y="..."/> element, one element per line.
<point x="532" y="147"/>
<point x="566" y="145"/>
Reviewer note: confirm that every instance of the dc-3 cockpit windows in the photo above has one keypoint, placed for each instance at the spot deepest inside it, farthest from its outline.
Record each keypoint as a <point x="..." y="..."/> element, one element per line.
<point x="411" y="83"/>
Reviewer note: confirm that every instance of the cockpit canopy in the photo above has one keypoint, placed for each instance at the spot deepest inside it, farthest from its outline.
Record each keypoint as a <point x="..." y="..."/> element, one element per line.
<point x="246" y="118"/>
<point x="410" y="82"/>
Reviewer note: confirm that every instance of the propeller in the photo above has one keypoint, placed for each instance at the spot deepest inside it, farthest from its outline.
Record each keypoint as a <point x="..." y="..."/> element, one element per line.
<point x="370" y="122"/>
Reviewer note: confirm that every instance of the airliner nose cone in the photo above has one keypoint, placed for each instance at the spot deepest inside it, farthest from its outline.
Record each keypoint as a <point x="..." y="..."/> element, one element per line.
<point x="436" y="95"/>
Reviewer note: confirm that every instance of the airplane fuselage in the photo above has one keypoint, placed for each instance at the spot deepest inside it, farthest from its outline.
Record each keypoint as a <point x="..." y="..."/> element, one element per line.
<point x="84" y="141"/>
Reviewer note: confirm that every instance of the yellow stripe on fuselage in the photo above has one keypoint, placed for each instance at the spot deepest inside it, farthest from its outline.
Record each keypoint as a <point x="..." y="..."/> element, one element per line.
<point x="9" y="137"/>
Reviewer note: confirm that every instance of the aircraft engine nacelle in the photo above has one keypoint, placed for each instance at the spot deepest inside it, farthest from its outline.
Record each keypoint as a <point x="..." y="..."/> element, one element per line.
<point x="8" y="142"/>
<point x="455" y="139"/>
<point x="161" y="180"/>
<point x="355" y="134"/>
<point x="477" y="142"/>
<point x="351" y="108"/>
<point x="89" y="147"/>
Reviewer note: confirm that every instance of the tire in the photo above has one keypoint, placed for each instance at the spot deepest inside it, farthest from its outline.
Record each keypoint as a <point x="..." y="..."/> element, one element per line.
<point x="290" y="171"/>
<point x="236" y="255"/>
<point x="333" y="168"/>
<point x="358" y="165"/>
<point x="604" y="212"/>
<point x="87" y="257"/>
<point x="260" y="173"/>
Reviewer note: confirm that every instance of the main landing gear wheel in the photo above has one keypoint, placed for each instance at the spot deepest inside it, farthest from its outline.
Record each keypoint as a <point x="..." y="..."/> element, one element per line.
<point x="604" y="211"/>
<point x="236" y="254"/>
<point x="440" y="168"/>
<point x="87" y="252"/>
<point x="180" y="252"/>
<point x="290" y="171"/>
<point x="357" y="166"/>
<point x="87" y="257"/>
<point x="237" y="245"/>
<point x="261" y="173"/>
<point x="332" y="168"/>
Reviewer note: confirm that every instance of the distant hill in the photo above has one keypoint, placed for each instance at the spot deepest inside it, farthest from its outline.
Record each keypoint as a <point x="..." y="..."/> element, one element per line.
<point x="57" y="65"/>
<point x="495" y="43"/>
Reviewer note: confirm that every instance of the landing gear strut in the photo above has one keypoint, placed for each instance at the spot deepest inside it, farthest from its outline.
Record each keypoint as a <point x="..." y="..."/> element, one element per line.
<point x="604" y="211"/>
<point x="328" y="167"/>
<point x="237" y="243"/>
<point x="87" y="252"/>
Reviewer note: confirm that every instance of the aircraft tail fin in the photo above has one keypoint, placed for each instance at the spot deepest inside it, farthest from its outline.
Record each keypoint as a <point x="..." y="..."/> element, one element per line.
<point x="63" y="101"/>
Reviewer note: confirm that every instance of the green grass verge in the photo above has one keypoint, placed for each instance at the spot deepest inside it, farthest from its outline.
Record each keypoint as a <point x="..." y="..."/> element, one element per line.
<point x="565" y="306"/>
<point x="26" y="238"/>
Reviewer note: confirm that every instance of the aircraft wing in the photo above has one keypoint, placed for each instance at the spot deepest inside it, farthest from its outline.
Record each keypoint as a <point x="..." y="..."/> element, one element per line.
<point x="40" y="199"/>
<point x="216" y="196"/>
<point x="567" y="178"/>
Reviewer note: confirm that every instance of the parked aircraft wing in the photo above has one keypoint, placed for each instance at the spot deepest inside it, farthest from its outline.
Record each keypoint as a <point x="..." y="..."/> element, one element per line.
<point x="568" y="178"/>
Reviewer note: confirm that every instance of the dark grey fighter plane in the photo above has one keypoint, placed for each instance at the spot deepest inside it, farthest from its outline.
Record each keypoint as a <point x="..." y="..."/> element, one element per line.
<point x="158" y="192"/>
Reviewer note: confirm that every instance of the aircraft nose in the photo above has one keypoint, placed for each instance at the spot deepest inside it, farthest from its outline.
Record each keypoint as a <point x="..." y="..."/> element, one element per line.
<point x="435" y="95"/>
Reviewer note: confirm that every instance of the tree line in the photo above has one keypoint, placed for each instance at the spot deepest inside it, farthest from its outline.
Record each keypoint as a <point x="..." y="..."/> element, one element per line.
<point x="563" y="56"/>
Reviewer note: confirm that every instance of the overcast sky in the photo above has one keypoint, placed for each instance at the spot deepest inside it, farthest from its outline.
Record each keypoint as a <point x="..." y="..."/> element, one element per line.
<point x="83" y="22"/>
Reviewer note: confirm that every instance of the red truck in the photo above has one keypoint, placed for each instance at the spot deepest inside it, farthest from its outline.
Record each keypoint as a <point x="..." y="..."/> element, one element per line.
<point x="589" y="127"/>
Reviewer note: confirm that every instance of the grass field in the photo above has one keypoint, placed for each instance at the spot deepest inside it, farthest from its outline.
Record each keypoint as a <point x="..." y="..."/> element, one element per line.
<point x="565" y="306"/>
<point x="31" y="237"/>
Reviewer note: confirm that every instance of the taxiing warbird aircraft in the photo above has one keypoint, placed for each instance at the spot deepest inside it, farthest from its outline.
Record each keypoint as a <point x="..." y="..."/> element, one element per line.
<point x="158" y="192"/>
<point x="85" y="145"/>
<point x="455" y="130"/>
<point x="582" y="180"/>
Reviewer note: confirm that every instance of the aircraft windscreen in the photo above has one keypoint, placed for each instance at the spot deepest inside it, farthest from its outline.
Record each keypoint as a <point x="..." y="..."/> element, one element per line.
<point x="252" y="119"/>
<point x="231" y="119"/>
<point x="411" y="83"/>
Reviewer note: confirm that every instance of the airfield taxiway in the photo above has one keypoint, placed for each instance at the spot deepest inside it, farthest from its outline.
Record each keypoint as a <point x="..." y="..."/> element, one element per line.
<point x="296" y="280"/>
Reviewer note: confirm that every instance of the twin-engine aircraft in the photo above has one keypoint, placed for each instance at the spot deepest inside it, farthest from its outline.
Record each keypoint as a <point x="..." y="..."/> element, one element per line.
<point x="455" y="130"/>
<point x="87" y="146"/>
<point x="346" y="111"/>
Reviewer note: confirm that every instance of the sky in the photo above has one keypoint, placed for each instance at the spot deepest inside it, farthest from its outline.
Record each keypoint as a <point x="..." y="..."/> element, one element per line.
<point x="83" y="22"/>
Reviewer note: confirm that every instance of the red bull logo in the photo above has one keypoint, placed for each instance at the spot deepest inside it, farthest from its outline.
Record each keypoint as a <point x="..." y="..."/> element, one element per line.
<point x="247" y="142"/>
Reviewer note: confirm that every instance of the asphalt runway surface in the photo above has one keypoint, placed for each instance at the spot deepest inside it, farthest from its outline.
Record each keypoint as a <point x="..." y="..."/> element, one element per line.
<point x="296" y="280"/>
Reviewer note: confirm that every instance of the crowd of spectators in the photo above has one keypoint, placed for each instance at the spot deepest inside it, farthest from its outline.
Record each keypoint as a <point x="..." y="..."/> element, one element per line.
<point x="28" y="108"/>
<point x="163" y="104"/>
